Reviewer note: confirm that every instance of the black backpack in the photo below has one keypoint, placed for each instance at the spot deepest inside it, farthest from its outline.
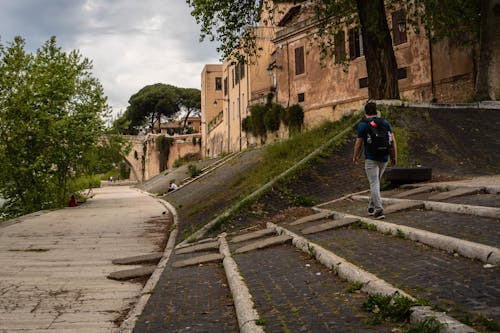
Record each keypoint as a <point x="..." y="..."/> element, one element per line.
<point x="378" y="140"/>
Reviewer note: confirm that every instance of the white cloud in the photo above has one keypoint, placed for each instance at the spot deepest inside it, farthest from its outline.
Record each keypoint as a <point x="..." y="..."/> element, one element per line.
<point x="131" y="43"/>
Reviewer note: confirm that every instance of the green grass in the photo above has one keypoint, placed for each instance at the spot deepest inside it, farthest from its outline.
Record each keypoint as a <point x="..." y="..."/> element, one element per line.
<point x="428" y="325"/>
<point x="395" y="308"/>
<point x="276" y="159"/>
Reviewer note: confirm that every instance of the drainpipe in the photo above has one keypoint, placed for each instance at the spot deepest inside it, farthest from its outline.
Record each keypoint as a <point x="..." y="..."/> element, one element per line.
<point x="239" y="109"/>
<point x="433" y="87"/>
<point x="288" y="73"/>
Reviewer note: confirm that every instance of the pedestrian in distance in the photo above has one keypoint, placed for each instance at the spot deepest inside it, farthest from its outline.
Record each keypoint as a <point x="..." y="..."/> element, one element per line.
<point x="72" y="201"/>
<point x="173" y="186"/>
<point x="377" y="137"/>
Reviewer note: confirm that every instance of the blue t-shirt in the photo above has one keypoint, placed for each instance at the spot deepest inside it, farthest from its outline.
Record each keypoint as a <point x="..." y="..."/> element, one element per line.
<point x="362" y="131"/>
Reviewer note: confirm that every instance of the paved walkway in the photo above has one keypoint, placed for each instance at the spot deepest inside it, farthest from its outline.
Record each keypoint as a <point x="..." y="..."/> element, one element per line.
<point x="54" y="265"/>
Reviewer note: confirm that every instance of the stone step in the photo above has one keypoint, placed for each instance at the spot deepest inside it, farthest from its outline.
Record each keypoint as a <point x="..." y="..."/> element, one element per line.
<point x="133" y="273"/>
<point x="252" y="235"/>
<point x="310" y="218"/>
<point x="264" y="243"/>
<point x="198" y="260"/>
<point x="198" y="248"/>
<point x="152" y="258"/>
<point x="328" y="225"/>
<point x="417" y="190"/>
<point x="453" y="193"/>
<point x="402" y="206"/>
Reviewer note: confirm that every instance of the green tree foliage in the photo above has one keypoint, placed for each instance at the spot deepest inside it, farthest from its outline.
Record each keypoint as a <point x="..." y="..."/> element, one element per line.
<point x="51" y="111"/>
<point x="149" y="104"/>
<point x="190" y="101"/>
<point x="228" y="22"/>
<point x="462" y="21"/>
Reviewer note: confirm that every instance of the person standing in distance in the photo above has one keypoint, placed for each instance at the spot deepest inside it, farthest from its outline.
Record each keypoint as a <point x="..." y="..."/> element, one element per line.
<point x="379" y="145"/>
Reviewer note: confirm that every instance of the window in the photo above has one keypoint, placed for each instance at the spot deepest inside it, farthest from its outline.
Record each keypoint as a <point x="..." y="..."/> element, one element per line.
<point x="355" y="43"/>
<point x="339" y="41"/>
<point x="299" y="61"/>
<point x="399" y="27"/>
<point x="218" y="83"/>
<point x="363" y="82"/>
<point x="301" y="97"/>
<point x="242" y="71"/>
<point x="225" y="86"/>
<point x="236" y="72"/>
<point x="402" y="73"/>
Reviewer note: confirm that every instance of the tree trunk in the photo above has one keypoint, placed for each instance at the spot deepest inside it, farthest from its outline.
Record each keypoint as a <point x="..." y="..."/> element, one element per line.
<point x="381" y="63"/>
<point x="485" y="75"/>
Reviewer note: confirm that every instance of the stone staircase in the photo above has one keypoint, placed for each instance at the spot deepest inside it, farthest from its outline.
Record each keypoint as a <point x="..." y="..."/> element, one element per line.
<point x="438" y="246"/>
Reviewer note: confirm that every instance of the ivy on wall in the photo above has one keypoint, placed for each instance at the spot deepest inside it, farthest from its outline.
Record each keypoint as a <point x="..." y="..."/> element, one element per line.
<point x="163" y="145"/>
<point x="268" y="117"/>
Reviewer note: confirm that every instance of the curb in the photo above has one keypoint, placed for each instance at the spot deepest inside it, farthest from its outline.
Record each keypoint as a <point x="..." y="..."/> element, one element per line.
<point x="245" y="308"/>
<point x="484" y="253"/>
<point x="371" y="283"/>
<point x="128" y="324"/>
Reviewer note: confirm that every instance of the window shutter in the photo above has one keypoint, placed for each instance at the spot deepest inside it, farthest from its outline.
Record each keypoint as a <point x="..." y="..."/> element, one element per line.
<point x="299" y="60"/>
<point x="399" y="27"/>
<point x="340" y="46"/>
<point x="353" y="40"/>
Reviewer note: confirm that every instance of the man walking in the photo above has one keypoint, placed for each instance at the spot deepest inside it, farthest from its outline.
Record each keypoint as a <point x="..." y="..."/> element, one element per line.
<point x="379" y="144"/>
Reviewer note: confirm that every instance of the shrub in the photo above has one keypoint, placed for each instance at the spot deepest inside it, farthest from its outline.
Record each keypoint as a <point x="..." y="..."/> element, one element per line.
<point x="272" y="119"/>
<point x="193" y="170"/>
<point x="293" y="118"/>
<point x="257" y="113"/>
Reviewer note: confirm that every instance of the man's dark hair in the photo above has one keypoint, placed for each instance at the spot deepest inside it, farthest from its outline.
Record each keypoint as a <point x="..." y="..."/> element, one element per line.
<point x="371" y="109"/>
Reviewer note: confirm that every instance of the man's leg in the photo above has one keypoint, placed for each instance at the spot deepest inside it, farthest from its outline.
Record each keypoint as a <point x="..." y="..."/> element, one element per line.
<point x="373" y="174"/>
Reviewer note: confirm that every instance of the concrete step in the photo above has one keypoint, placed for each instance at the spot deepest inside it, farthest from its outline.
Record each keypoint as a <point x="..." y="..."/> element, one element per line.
<point x="198" y="260"/>
<point x="133" y="273"/>
<point x="454" y="193"/>
<point x="346" y="253"/>
<point x="417" y="190"/>
<point x="151" y="258"/>
<point x="198" y="248"/>
<point x="310" y="218"/>
<point x="263" y="243"/>
<point x="329" y="225"/>
<point x="252" y="235"/>
<point x="402" y="206"/>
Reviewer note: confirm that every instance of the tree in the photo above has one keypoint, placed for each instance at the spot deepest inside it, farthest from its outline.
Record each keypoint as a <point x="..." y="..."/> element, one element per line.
<point x="152" y="102"/>
<point x="228" y="21"/>
<point x="51" y="111"/>
<point x="190" y="100"/>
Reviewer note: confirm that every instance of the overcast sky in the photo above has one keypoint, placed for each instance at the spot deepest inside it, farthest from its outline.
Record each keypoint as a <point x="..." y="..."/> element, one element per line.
<point x="132" y="43"/>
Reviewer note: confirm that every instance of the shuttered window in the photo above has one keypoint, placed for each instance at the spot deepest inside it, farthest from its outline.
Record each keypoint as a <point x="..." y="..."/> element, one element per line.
<point x="299" y="61"/>
<point x="399" y="27"/>
<point x="355" y="43"/>
<point x="339" y="47"/>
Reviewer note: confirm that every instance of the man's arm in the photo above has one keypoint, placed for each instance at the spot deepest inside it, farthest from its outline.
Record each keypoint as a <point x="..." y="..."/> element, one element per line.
<point x="394" y="151"/>
<point x="357" y="150"/>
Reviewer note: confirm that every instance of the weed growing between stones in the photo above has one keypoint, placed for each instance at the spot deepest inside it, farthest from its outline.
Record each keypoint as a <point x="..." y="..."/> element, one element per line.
<point x="394" y="308"/>
<point x="428" y="325"/>
<point x="354" y="286"/>
<point x="261" y="321"/>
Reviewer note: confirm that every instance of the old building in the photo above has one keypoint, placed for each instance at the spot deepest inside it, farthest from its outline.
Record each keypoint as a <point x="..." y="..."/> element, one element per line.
<point x="291" y="67"/>
<point x="326" y="89"/>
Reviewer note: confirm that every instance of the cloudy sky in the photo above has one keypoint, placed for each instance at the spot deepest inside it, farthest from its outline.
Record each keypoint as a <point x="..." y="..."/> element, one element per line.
<point x="132" y="43"/>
